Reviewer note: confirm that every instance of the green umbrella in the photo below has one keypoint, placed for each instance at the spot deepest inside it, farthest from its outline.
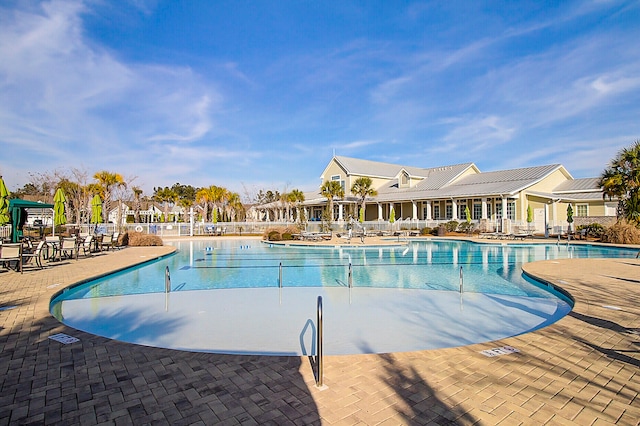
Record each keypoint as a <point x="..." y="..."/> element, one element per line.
<point x="4" y="203"/>
<point x="59" y="218"/>
<point x="96" y="209"/>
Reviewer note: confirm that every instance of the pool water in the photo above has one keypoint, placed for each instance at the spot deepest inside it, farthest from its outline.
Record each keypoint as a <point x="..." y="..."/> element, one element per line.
<point x="226" y="297"/>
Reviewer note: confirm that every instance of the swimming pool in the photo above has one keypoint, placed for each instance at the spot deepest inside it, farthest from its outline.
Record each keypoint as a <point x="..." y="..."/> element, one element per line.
<point x="226" y="297"/>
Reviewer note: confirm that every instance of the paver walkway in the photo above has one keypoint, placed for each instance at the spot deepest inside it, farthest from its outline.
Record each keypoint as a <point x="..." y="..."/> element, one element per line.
<point x="585" y="369"/>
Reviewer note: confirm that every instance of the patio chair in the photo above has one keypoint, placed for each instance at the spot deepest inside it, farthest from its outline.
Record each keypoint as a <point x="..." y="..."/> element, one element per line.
<point x="69" y="247"/>
<point x="51" y="249"/>
<point x="107" y="242"/>
<point x="86" y="245"/>
<point x="10" y="253"/>
<point x="36" y="255"/>
<point x="114" y="241"/>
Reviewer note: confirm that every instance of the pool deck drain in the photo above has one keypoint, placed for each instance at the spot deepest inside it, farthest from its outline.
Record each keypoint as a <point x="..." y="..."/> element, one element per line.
<point x="584" y="369"/>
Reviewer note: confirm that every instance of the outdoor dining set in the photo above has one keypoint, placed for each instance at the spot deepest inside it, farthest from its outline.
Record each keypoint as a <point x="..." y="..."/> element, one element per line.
<point x="15" y="256"/>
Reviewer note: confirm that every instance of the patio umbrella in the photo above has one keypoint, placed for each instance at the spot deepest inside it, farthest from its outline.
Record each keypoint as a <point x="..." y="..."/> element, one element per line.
<point x="96" y="209"/>
<point x="59" y="218"/>
<point x="4" y="203"/>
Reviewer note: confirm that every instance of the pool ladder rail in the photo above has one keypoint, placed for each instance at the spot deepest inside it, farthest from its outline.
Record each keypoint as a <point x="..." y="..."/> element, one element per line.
<point x="319" y="344"/>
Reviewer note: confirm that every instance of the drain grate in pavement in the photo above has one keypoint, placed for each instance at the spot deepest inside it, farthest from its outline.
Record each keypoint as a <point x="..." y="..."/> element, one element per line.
<point x="64" y="338"/>
<point x="504" y="350"/>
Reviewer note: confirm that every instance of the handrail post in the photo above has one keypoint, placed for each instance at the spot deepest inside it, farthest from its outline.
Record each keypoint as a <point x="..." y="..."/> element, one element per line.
<point x="280" y="275"/>
<point x="461" y="280"/>
<point x="350" y="276"/>
<point x="320" y="340"/>
<point x="167" y="280"/>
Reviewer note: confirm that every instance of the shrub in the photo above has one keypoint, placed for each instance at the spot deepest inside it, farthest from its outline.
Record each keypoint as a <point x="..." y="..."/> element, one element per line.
<point x="280" y="233"/>
<point x="622" y="232"/>
<point x="594" y="230"/>
<point x="426" y="231"/>
<point x="138" y="239"/>
<point x="274" y="236"/>
<point x="451" y="226"/>
<point x="465" y="227"/>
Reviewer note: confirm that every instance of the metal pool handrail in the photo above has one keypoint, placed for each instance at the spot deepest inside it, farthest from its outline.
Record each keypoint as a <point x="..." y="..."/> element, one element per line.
<point x="320" y="339"/>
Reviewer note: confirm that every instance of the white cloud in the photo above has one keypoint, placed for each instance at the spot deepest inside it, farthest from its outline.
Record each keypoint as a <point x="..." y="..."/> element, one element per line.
<point x="68" y="100"/>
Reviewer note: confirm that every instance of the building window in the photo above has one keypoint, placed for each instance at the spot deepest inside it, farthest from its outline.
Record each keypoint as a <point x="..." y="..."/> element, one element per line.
<point x="498" y="211"/>
<point x="511" y="210"/>
<point x="489" y="209"/>
<point x="337" y="177"/>
<point x="582" y="210"/>
<point x="436" y="211"/>
<point x="449" y="210"/>
<point x="477" y="209"/>
<point x="404" y="179"/>
<point x="462" y="205"/>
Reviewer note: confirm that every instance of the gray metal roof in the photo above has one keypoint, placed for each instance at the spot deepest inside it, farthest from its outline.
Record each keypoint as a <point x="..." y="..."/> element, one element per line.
<point x="356" y="166"/>
<point x="578" y="185"/>
<point x="503" y="182"/>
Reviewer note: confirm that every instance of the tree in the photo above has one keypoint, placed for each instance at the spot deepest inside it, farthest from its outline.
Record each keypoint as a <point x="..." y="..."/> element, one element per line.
<point x="166" y="196"/>
<point x="294" y="198"/>
<point x="362" y="187"/>
<point x="569" y="216"/>
<point x="106" y="183"/>
<point x="331" y="189"/>
<point x="137" y="192"/>
<point x="621" y="180"/>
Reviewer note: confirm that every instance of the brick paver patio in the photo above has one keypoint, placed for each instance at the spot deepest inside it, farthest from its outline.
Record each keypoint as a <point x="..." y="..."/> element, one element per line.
<point x="584" y="369"/>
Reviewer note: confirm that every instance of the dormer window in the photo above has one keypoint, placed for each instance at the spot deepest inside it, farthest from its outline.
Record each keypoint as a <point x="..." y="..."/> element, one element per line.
<point x="404" y="179"/>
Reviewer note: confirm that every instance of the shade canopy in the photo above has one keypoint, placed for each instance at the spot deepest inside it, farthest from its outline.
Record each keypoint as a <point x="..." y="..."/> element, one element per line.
<point x="59" y="217"/>
<point x="18" y="211"/>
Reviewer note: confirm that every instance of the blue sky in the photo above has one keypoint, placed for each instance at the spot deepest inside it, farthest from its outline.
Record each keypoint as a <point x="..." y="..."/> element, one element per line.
<point x="260" y="94"/>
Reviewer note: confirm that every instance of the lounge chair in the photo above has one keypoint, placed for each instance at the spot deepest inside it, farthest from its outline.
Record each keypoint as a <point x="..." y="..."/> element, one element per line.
<point x="10" y="253"/>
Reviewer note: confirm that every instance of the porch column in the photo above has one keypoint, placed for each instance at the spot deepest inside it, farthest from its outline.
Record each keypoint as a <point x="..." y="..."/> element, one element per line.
<point x="415" y="210"/>
<point x="380" y="216"/>
<point x="484" y="208"/>
<point x="340" y="210"/>
<point x="504" y="207"/>
<point x="454" y="208"/>
<point x="428" y="210"/>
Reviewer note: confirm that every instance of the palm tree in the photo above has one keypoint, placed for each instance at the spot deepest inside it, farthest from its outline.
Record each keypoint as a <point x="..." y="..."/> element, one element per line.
<point x="362" y="188"/>
<point x="166" y="196"/>
<point x="331" y="189"/>
<point x="137" y="192"/>
<point x="203" y="197"/>
<point x="621" y="180"/>
<point x="295" y="198"/>
<point x="235" y="207"/>
<point x="219" y="196"/>
<point x="107" y="182"/>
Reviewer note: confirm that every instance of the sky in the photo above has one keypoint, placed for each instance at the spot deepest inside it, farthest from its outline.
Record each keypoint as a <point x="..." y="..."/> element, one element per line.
<point x="253" y="95"/>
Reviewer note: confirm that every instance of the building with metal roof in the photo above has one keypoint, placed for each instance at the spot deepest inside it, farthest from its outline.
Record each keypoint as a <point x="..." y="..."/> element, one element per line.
<point x="428" y="196"/>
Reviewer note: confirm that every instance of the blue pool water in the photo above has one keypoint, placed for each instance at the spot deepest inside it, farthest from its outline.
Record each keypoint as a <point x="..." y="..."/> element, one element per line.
<point x="226" y="297"/>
